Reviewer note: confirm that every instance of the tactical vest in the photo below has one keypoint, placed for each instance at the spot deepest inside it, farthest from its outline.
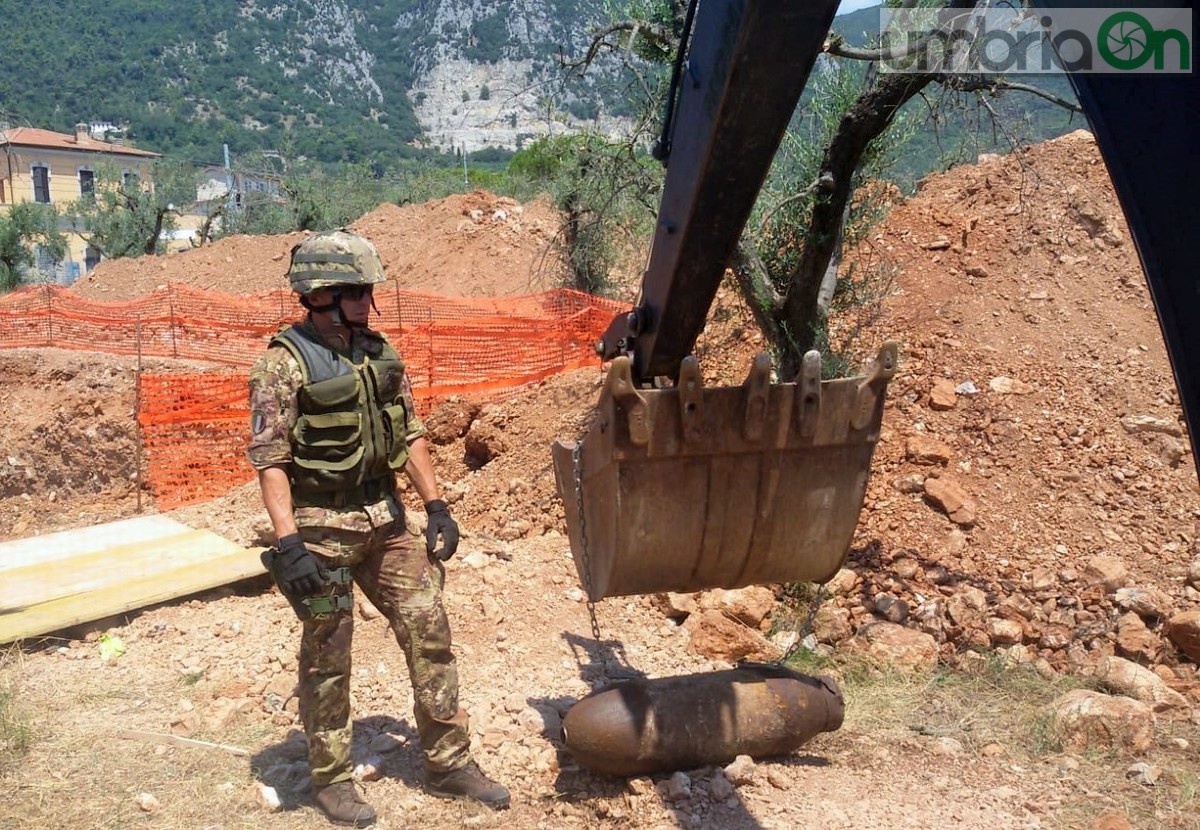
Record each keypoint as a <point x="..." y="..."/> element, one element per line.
<point x="350" y="433"/>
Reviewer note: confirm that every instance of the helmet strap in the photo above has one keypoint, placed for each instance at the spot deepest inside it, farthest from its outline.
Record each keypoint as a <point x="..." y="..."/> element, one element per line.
<point x="336" y="308"/>
<point x="311" y="306"/>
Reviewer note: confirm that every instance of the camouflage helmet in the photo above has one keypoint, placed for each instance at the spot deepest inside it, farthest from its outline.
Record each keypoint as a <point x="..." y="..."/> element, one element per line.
<point x="334" y="258"/>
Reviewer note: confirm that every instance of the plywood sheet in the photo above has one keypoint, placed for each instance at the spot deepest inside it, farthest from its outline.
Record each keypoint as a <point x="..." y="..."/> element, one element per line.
<point x="75" y="576"/>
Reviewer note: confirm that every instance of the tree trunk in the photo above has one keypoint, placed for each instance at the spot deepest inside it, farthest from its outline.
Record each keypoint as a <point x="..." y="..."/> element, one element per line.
<point x="151" y="244"/>
<point x="868" y="118"/>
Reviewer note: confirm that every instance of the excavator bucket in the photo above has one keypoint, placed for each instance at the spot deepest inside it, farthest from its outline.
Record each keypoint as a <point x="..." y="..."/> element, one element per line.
<point x="689" y="488"/>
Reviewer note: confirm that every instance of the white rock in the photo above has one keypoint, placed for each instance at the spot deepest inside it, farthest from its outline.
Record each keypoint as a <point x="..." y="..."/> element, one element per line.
<point x="383" y="742"/>
<point x="476" y="559"/>
<point x="1138" y="682"/>
<point x="639" y="786"/>
<point x="370" y="769"/>
<point x="677" y="787"/>
<point x="950" y="747"/>
<point x="267" y="798"/>
<point x="741" y="770"/>
<point x="1009" y="386"/>
<point x="1134" y="424"/>
<point x="1144" y="773"/>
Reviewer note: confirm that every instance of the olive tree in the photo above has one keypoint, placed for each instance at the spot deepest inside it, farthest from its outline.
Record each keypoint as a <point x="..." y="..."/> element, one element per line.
<point x="844" y="135"/>
<point x="126" y="216"/>
<point x="24" y="228"/>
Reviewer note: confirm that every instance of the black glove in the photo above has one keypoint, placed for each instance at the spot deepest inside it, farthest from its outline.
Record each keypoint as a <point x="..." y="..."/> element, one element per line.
<point x="440" y="522"/>
<point x="299" y="572"/>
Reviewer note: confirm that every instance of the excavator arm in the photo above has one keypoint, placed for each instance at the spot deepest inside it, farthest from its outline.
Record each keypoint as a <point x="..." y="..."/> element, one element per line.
<point x="677" y="487"/>
<point x="745" y="70"/>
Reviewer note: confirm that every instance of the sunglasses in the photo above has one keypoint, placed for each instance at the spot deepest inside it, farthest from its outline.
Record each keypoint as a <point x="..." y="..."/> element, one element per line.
<point x="354" y="293"/>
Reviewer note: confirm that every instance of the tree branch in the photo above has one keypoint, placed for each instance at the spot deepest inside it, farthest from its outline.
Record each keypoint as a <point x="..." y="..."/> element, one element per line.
<point x="657" y="35"/>
<point x="994" y="85"/>
<point x="760" y="296"/>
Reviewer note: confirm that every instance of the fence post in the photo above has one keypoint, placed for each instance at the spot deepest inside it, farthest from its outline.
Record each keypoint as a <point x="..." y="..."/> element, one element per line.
<point x="137" y="423"/>
<point x="430" y="364"/>
<point x="49" y="316"/>
<point x="399" y="316"/>
<point x="171" y="312"/>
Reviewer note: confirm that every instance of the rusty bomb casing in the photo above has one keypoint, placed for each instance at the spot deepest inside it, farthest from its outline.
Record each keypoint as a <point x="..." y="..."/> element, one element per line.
<point x="645" y="726"/>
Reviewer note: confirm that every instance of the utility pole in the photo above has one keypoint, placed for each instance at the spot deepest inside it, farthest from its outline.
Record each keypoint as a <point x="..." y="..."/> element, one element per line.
<point x="230" y="201"/>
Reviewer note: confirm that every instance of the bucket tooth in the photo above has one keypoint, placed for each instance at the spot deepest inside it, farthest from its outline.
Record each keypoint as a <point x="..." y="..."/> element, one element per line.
<point x="808" y="394"/>
<point x="623" y="391"/>
<point x="691" y="400"/>
<point x="758" y="387"/>
<point x="873" y="384"/>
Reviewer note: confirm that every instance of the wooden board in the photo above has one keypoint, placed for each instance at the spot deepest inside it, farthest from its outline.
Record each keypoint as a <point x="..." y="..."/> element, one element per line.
<point x="75" y="576"/>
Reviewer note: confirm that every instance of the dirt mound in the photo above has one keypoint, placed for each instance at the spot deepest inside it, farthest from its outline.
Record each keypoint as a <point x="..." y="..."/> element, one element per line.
<point x="1033" y="379"/>
<point x="476" y="244"/>
<point x="1020" y="294"/>
<point x="1018" y="286"/>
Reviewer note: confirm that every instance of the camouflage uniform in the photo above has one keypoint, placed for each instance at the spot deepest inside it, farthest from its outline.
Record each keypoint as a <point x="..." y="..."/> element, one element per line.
<point x="393" y="571"/>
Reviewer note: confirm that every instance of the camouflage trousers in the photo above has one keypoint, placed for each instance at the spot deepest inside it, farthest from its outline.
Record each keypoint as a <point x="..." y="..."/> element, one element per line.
<point x="399" y="579"/>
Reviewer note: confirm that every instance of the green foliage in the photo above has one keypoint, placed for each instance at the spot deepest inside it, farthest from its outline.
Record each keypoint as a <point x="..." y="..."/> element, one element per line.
<point x="187" y="83"/>
<point x="779" y="224"/>
<point x="488" y="39"/>
<point x="317" y="199"/>
<point x="780" y="220"/>
<point x="608" y="193"/>
<point x="485" y="93"/>
<point x="127" y="218"/>
<point x="656" y="13"/>
<point x="22" y="227"/>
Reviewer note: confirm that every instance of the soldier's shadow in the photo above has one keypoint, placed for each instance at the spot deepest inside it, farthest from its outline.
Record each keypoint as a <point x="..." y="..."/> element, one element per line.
<point x="284" y="765"/>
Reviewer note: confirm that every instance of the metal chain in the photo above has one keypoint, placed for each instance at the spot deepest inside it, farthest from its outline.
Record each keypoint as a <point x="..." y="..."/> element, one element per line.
<point x="806" y="628"/>
<point x="577" y="462"/>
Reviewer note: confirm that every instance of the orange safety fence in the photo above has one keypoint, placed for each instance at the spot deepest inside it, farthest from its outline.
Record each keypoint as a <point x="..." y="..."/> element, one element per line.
<point x="194" y="424"/>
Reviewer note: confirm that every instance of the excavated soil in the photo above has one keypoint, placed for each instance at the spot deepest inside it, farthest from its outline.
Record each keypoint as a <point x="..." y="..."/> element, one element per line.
<point x="1017" y="285"/>
<point x="477" y="245"/>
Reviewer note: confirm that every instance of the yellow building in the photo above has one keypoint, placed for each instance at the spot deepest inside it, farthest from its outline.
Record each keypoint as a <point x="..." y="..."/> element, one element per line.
<point x="56" y="168"/>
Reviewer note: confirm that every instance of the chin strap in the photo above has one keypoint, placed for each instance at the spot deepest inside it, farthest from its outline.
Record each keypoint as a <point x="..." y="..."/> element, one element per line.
<point x="311" y="306"/>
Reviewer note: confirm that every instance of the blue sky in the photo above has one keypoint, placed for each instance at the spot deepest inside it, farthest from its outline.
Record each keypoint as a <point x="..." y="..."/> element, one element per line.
<point x="854" y="5"/>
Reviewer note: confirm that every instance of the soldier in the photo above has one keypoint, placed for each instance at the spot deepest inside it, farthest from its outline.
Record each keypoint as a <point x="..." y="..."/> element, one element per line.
<point x="332" y="421"/>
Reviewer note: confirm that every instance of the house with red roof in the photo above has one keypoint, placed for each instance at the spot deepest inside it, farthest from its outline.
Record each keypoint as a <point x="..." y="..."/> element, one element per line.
<point x="56" y="169"/>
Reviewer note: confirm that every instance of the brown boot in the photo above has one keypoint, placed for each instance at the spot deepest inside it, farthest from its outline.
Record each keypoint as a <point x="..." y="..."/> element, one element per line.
<point x="467" y="782"/>
<point x="342" y="804"/>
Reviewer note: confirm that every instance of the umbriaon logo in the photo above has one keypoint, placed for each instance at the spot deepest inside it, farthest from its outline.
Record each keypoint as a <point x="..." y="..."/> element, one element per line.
<point x="1016" y="41"/>
<point x="1127" y="40"/>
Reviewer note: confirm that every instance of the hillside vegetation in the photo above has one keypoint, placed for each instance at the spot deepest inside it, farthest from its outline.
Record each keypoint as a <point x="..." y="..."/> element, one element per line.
<point x="338" y="81"/>
<point x="325" y="79"/>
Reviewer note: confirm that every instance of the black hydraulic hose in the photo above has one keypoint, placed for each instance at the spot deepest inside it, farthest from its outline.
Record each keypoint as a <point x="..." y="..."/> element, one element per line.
<point x="662" y="145"/>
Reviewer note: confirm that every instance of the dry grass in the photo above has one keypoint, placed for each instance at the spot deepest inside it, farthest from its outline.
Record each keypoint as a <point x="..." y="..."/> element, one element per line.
<point x="1006" y="709"/>
<point x="16" y="733"/>
<point x="65" y="766"/>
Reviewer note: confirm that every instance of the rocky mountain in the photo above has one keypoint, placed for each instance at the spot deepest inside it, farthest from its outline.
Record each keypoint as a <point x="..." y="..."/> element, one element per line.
<point x="354" y="81"/>
<point x="327" y="79"/>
